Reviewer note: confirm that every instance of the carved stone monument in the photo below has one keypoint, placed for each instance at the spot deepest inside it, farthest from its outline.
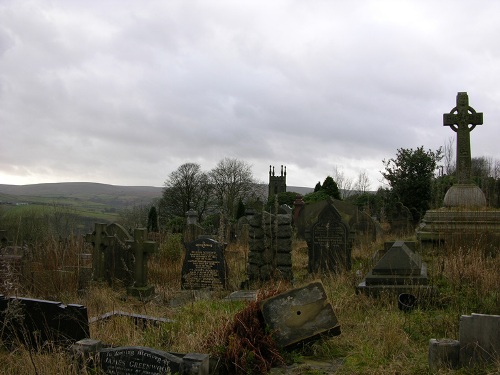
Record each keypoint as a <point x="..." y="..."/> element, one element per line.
<point x="462" y="119"/>
<point x="464" y="215"/>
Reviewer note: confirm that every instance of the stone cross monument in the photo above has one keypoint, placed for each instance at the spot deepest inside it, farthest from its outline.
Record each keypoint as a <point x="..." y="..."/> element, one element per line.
<point x="462" y="119"/>
<point x="459" y="120"/>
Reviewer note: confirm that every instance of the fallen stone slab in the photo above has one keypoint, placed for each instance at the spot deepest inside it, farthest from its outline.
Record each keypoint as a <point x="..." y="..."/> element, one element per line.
<point x="299" y="315"/>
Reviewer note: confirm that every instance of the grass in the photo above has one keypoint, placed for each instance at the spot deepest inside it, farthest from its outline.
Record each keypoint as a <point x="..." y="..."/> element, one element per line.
<point x="376" y="337"/>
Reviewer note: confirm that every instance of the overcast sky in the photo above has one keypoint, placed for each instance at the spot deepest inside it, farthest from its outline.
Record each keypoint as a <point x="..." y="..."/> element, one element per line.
<point x="124" y="92"/>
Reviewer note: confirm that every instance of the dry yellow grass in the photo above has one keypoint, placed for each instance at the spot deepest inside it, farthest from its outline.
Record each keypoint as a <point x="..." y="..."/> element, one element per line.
<point x="376" y="337"/>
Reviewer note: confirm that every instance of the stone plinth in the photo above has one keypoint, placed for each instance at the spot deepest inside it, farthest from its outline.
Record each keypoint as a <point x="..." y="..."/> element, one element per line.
<point x="460" y="224"/>
<point x="399" y="270"/>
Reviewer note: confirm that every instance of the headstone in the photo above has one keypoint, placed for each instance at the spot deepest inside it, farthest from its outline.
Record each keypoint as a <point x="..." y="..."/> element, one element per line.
<point x="400" y="219"/>
<point x="329" y="243"/>
<point x="34" y="321"/>
<point x="398" y="269"/>
<point x="131" y="360"/>
<point x="141" y="249"/>
<point x="110" y="258"/>
<point x="443" y="354"/>
<point x="479" y="336"/>
<point x="204" y="265"/>
<point x="300" y="315"/>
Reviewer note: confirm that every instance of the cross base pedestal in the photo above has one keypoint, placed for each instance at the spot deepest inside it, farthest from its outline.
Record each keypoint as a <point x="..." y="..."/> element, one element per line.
<point x="141" y="291"/>
<point x="464" y="195"/>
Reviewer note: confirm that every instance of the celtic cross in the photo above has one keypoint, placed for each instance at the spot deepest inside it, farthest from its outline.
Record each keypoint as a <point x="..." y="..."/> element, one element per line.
<point x="459" y="120"/>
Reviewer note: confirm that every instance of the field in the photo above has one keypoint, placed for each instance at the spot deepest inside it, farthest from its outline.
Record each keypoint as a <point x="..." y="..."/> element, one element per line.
<point x="377" y="338"/>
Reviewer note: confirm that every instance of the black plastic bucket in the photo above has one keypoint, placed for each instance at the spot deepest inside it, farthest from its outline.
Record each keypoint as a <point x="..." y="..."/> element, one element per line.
<point x="407" y="302"/>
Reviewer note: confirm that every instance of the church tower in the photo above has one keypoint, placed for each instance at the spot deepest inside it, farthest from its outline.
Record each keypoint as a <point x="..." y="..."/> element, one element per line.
<point x="277" y="184"/>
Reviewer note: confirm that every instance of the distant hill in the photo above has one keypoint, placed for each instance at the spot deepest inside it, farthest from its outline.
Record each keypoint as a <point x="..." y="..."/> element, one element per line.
<point x="110" y="195"/>
<point x="79" y="188"/>
<point x="113" y="195"/>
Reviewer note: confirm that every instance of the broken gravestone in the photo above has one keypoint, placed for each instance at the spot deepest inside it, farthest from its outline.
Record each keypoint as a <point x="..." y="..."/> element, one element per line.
<point x="479" y="337"/>
<point x="300" y="315"/>
<point x="34" y="321"/>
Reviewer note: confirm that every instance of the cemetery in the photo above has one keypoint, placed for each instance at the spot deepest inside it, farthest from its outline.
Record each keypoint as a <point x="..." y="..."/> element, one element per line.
<point x="320" y="288"/>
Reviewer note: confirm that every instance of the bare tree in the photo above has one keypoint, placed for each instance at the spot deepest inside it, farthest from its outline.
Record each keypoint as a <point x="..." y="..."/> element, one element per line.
<point x="363" y="183"/>
<point x="449" y="156"/>
<point x="186" y="188"/>
<point x="232" y="180"/>
<point x="344" y="183"/>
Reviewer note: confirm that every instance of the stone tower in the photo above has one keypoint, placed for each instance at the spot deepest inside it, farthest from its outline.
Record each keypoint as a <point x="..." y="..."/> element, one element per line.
<point x="277" y="184"/>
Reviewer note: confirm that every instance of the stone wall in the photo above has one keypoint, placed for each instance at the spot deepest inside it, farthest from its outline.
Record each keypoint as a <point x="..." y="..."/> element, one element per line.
<point x="270" y="244"/>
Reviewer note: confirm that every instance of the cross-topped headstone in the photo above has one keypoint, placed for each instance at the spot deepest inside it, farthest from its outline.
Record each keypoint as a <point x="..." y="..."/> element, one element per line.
<point x="459" y="119"/>
<point x="100" y="241"/>
<point x="141" y="250"/>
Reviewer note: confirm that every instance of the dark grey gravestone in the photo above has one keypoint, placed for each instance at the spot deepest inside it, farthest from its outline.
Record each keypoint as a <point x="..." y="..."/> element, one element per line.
<point x="479" y="337"/>
<point x="35" y="321"/>
<point x="204" y="265"/>
<point x="131" y="360"/>
<point x="330" y="245"/>
<point x="300" y="315"/>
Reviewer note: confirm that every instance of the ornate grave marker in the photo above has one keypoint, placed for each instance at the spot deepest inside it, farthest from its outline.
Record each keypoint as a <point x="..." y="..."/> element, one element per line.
<point x="459" y="119"/>
<point x="204" y="265"/>
<point x="330" y="244"/>
<point x="141" y="250"/>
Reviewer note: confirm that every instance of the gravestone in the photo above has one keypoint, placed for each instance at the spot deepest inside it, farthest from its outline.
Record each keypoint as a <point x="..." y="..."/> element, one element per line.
<point x="110" y="258"/>
<point x="131" y="360"/>
<point x="141" y="249"/>
<point x="398" y="269"/>
<point x="119" y="256"/>
<point x="204" y="265"/>
<point x="400" y="219"/>
<point x="329" y="242"/>
<point x="34" y="321"/>
<point x="300" y="315"/>
<point x="479" y="336"/>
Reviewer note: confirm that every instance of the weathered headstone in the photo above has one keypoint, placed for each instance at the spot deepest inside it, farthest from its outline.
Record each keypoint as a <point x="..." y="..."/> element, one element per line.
<point x="141" y="249"/>
<point x="400" y="219"/>
<point x="398" y="269"/>
<point x="299" y="315"/>
<point x="329" y="242"/>
<point x="479" y="337"/>
<point x="204" y="265"/>
<point x="110" y="260"/>
<point x="34" y="321"/>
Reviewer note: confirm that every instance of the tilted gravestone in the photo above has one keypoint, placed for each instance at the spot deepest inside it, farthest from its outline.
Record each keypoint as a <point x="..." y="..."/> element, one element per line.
<point x="33" y="321"/>
<point x="299" y="315"/>
<point x="329" y="242"/>
<point x="204" y="265"/>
